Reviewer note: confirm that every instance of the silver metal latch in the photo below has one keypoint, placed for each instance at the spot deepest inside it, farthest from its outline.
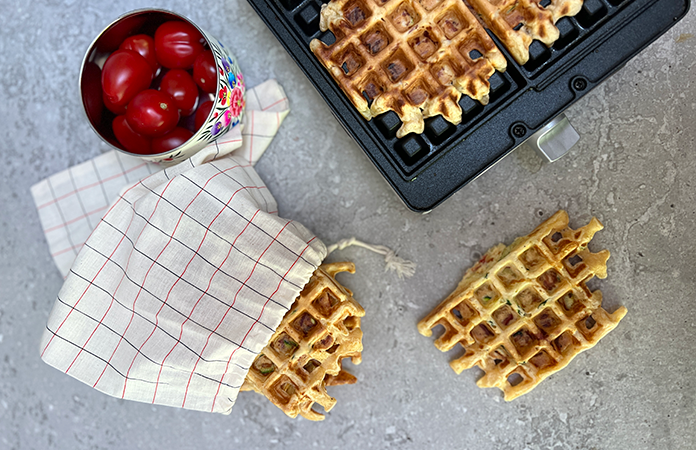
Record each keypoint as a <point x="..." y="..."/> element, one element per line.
<point x="555" y="138"/>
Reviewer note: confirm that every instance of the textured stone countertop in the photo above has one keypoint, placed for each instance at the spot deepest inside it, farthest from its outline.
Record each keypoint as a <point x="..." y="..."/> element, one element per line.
<point x="634" y="168"/>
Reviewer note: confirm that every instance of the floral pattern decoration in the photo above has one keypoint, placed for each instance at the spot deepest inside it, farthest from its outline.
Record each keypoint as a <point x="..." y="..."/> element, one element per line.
<point x="228" y="104"/>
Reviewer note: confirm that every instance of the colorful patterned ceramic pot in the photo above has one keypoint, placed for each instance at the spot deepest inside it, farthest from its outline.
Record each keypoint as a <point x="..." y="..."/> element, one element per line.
<point x="228" y="99"/>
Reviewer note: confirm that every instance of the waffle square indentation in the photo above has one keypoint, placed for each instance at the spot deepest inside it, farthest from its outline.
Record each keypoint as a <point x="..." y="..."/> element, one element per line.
<point x="308" y="19"/>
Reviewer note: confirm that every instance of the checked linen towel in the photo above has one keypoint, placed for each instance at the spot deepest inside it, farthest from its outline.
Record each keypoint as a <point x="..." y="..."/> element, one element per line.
<point x="181" y="282"/>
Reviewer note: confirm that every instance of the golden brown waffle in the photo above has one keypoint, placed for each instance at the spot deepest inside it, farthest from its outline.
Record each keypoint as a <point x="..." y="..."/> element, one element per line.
<point x="518" y="22"/>
<point x="414" y="57"/>
<point x="304" y="355"/>
<point x="524" y="311"/>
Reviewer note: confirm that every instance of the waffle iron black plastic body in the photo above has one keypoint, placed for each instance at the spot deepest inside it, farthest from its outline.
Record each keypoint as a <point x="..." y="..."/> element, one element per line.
<point x="426" y="169"/>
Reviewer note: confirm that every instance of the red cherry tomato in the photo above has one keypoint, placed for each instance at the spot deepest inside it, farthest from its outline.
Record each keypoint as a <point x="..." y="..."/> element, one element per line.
<point x="171" y="140"/>
<point x="180" y="86"/>
<point x="145" y="46"/>
<point x="125" y="73"/>
<point x="205" y="71"/>
<point x="131" y="141"/>
<point x="202" y="114"/>
<point x="177" y="44"/>
<point x="152" y="113"/>
<point x="118" y="110"/>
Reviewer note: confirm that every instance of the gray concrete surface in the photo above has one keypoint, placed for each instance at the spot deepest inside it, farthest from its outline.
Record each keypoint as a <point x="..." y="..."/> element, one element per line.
<point x="634" y="168"/>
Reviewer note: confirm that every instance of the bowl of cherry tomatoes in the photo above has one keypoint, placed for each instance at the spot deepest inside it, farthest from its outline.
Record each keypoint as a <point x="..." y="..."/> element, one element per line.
<point x="156" y="86"/>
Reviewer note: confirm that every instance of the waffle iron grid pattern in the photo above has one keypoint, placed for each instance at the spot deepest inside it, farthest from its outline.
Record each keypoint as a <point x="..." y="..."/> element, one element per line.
<point x="524" y="311"/>
<point x="412" y="153"/>
<point x="306" y="353"/>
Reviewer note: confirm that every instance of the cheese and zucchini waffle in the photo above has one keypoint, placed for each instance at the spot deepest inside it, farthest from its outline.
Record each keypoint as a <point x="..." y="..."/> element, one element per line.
<point x="304" y="355"/>
<point x="518" y="22"/>
<point x="415" y="58"/>
<point x="524" y="311"/>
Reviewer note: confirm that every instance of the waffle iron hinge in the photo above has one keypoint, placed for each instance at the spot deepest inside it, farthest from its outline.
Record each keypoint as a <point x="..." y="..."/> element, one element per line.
<point x="554" y="139"/>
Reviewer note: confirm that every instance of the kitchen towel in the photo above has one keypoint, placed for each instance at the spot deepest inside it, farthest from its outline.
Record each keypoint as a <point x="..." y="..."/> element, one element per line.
<point x="183" y="279"/>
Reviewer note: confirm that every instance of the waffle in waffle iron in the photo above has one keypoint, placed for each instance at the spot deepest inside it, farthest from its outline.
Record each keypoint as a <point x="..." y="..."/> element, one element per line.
<point x="417" y="57"/>
<point x="413" y="57"/>
<point x="518" y="22"/>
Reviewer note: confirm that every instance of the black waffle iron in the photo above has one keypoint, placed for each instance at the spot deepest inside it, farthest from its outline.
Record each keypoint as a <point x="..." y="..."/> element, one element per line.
<point x="526" y="101"/>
